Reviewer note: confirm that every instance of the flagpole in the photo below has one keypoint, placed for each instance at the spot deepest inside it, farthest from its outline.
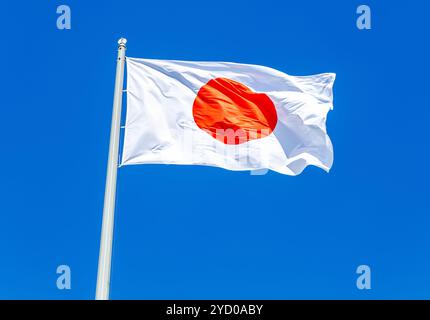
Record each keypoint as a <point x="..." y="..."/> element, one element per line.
<point x="105" y="255"/>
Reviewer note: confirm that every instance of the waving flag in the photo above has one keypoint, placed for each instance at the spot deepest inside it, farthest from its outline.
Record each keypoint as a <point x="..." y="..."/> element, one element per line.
<point x="228" y="115"/>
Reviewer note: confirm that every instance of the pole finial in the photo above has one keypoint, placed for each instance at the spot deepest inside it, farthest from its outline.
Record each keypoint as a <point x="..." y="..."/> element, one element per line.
<point x="122" y="42"/>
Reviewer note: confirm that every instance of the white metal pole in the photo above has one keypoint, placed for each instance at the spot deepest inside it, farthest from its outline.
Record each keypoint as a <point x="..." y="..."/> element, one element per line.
<point x="103" y="274"/>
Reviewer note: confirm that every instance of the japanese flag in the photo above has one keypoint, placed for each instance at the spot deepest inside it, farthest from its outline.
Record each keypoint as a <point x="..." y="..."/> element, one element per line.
<point x="227" y="115"/>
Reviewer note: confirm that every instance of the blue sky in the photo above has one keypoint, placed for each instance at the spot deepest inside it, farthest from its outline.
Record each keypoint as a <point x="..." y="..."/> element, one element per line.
<point x="199" y="232"/>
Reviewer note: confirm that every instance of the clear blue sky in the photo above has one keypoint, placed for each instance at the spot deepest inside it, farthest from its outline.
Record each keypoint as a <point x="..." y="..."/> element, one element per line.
<point x="201" y="232"/>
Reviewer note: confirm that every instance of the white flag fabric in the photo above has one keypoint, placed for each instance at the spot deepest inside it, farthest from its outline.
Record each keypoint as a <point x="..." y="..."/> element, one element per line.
<point x="228" y="115"/>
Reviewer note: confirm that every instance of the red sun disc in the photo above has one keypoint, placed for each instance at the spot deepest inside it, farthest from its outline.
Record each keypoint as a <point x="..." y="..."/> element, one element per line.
<point x="232" y="113"/>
